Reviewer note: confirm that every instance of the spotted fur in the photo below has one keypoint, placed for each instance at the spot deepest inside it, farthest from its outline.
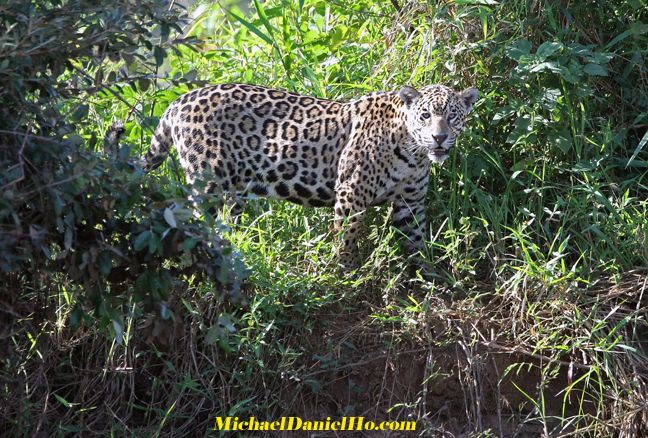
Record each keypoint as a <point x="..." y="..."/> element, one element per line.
<point x="316" y="152"/>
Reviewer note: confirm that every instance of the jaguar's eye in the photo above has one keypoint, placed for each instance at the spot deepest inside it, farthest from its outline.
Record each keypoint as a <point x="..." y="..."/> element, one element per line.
<point x="425" y="115"/>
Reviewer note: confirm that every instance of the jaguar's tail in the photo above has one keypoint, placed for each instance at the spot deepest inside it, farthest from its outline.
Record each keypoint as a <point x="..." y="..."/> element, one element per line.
<point x="160" y="145"/>
<point x="113" y="135"/>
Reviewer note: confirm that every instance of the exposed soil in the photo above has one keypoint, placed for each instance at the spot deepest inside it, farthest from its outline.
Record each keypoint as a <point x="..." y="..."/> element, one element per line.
<point x="450" y="370"/>
<point x="467" y="389"/>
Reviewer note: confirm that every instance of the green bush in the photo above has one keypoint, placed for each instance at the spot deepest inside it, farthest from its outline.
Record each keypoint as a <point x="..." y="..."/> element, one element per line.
<point x="75" y="209"/>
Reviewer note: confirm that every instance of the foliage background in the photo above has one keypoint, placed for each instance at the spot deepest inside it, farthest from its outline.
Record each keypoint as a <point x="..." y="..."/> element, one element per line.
<point x="534" y="319"/>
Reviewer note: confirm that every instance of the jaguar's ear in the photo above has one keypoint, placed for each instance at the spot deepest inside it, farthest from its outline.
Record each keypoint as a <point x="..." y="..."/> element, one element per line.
<point x="469" y="97"/>
<point x="408" y="95"/>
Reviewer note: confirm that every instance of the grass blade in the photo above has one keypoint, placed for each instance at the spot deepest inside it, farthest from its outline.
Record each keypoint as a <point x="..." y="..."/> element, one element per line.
<point x="639" y="147"/>
<point x="251" y="27"/>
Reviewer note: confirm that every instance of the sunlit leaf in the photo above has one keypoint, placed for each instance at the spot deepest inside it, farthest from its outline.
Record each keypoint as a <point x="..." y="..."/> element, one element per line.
<point x="170" y="218"/>
<point x="251" y="27"/>
<point x="548" y="48"/>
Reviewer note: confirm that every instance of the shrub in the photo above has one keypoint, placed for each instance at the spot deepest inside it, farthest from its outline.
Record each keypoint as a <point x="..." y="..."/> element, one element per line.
<point x="70" y="209"/>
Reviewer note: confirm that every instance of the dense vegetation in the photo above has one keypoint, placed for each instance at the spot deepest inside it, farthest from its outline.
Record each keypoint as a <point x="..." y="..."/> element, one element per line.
<point x="124" y="313"/>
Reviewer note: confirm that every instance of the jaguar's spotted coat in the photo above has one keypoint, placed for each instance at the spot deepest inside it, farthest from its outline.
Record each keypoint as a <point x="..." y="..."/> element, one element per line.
<point x="315" y="152"/>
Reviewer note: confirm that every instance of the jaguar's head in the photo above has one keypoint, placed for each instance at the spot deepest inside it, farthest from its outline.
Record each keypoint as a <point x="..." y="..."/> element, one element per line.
<point x="435" y="117"/>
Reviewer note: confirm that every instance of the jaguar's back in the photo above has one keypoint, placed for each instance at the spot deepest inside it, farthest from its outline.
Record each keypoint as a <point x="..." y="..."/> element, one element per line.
<point x="256" y="139"/>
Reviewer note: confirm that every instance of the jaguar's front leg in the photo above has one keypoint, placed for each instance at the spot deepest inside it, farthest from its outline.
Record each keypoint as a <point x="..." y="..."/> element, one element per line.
<point x="349" y="214"/>
<point x="409" y="218"/>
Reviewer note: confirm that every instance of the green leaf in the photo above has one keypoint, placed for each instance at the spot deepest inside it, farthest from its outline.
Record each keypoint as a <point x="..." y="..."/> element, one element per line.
<point x="164" y="32"/>
<point x="548" y="48"/>
<point x="63" y="401"/>
<point x="143" y="84"/>
<point x="561" y="140"/>
<point x="226" y="323"/>
<point x="98" y="76"/>
<point x="76" y="316"/>
<point x="159" y="55"/>
<point x="142" y="286"/>
<point x="81" y="112"/>
<point x="595" y="70"/>
<point x="220" y="332"/>
<point x="551" y="66"/>
<point x="522" y="127"/>
<point x="264" y="17"/>
<point x="601" y="58"/>
<point x="518" y="48"/>
<point x="251" y="27"/>
<point x="154" y="243"/>
<point x="118" y="326"/>
<point x="574" y="72"/>
<point x="190" y="76"/>
<point x="623" y="35"/>
<point x="105" y="263"/>
<point x="189" y="244"/>
<point x="213" y="335"/>
<point x="314" y="385"/>
<point x="550" y="97"/>
<point x="636" y="29"/>
<point x="503" y="113"/>
<point x="142" y="240"/>
<point x="67" y="240"/>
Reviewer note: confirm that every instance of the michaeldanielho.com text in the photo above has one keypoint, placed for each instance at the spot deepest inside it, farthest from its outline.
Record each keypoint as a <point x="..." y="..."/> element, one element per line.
<point x="296" y="423"/>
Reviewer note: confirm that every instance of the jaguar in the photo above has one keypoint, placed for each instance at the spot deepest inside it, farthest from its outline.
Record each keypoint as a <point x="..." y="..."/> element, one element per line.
<point x="374" y="150"/>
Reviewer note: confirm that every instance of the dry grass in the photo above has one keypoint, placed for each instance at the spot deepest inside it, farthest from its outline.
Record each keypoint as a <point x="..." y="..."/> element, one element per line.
<point x="459" y="366"/>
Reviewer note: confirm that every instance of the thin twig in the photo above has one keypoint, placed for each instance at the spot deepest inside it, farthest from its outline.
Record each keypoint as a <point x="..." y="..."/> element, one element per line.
<point x="534" y="355"/>
<point x="366" y="361"/>
<point x="37" y="137"/>
<point x="21" y="164"/>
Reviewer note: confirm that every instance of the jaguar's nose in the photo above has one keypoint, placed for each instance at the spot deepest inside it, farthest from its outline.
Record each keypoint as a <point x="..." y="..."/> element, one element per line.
<point x="440" y="138"/>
